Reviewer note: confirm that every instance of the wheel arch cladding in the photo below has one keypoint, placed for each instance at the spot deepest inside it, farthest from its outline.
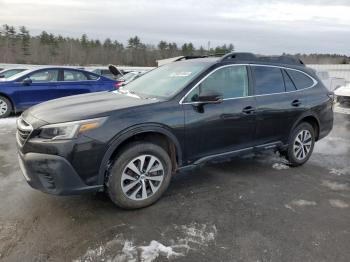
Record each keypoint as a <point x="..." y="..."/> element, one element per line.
<point x="154" y="134"/>
<point x="313" y="121"/>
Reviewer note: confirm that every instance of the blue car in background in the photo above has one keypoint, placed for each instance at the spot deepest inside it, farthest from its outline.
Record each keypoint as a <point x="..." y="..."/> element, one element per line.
<point x="35" y="86"/>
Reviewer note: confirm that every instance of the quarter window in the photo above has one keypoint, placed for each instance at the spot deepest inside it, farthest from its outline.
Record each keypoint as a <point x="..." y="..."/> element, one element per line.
<point x="300" y="80"/>
<point x="288" y="82"/>
<point x="44" y="76"/>
<point x="231" y="81"/>
<point x="70" y="75"/>
<point x="268" y="80"/>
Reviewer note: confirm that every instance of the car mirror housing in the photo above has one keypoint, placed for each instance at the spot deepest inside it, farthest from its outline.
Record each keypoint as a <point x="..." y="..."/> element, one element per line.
<point x="210" y="97"/>
<point x="27" y="82"/>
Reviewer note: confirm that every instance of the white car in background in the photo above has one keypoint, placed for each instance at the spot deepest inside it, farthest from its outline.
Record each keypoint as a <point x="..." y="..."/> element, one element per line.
<point x="342" y="99"/>
<point x="332" y="83"/>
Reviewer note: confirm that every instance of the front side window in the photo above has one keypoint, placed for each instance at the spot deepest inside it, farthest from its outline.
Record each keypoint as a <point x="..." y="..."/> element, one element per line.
<point x="268" y="80"/>
<point x="300" y="80"/>
<point x="70" y="75"/>
<point x="231" y="82"/>
<point x="50" y="75"/>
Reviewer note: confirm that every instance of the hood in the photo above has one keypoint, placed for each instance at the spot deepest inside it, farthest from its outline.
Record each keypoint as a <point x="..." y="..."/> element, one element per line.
<point x="343" y="91"/>
<point x="85" y="106"/>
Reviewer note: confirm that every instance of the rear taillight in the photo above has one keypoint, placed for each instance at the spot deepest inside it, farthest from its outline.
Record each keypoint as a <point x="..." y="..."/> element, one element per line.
<point x="117" y="85"/>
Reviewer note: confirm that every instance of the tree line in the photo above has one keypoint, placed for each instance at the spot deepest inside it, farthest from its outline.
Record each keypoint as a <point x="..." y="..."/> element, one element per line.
<point x="17" y="45"/>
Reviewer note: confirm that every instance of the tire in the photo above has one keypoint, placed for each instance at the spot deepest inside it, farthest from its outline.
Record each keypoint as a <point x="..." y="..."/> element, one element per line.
<point x="129" y="193"/>
<point x="5" y="107"/>
<point x="299" y="153"/>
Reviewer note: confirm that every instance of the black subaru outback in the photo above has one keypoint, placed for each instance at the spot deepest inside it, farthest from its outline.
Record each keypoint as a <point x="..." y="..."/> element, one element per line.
<point x="130" y="141"/>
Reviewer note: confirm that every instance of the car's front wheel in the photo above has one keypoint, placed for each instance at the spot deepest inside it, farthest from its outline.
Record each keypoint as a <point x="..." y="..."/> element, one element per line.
<point x="139" y="176"/>
<point x="301" y="144"/>
<point x="5" y="107"/>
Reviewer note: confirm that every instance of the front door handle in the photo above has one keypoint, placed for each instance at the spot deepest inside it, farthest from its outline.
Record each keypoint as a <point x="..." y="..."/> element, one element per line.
<point x="296" y="103"/>
<point x="248" y="110"/>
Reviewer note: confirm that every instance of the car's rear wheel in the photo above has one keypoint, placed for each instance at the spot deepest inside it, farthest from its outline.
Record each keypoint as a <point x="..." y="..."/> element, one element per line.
<point x="5" y="107"/>
<point x="301" y="144"/>
<point x="139" y="176"/>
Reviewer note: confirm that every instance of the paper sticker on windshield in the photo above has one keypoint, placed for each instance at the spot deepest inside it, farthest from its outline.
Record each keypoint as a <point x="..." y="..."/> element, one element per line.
<point x="180" y="74"/>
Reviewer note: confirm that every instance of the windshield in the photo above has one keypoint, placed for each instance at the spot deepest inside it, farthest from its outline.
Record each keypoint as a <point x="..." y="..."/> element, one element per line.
<point x="10" y="72"/>
<point x="165" y="81"/>
<point x="16" y="76"/>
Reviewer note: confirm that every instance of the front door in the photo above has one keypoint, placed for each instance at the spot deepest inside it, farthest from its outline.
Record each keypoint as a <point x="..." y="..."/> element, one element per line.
<point x="43" y="87"/>
<point x="223" y="127"/>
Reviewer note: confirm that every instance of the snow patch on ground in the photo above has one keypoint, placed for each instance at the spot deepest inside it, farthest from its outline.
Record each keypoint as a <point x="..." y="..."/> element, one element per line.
<point x="191" y="237"/>
<point x="280" y="166"/>
<point x="334" y="185"/>
<point x="332" y="146"/>
<point x="155" y="249"/>
<point x="8" y="125"/>
<point x="10" y="121"/>
<point x="338" y="172"/>
<point x="198" y="234"/>
<point x="338" y="203"/>
<point x="302" y="203"/>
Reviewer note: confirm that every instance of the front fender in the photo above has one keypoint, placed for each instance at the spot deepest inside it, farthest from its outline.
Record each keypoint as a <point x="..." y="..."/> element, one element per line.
<point x="132" y="131"/>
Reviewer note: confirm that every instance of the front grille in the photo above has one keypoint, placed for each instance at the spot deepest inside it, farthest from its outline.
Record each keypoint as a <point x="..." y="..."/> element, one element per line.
<point x="23" y="131"/>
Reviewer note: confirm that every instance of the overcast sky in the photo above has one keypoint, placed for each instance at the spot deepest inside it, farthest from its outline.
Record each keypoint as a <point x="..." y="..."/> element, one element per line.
<point x="269" y="27"/>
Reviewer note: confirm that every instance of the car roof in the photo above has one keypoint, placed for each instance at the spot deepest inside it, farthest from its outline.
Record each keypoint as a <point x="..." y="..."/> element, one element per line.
<point x="31" y="70"/>
<point x="251" y="59"/>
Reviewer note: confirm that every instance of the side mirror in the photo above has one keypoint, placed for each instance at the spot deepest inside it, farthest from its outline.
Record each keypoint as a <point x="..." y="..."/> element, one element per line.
<point x="27" y="82"/>
<point x="210" y="97"/>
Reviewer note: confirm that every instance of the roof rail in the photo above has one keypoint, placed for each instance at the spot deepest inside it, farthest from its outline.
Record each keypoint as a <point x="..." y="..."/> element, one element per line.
<point x="190" y="57"/>
<point x="283" y="59"/>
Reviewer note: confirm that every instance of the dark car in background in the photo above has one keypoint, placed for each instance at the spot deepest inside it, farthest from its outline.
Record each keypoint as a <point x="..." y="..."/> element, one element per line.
<point x="131" y="141"/>
<point x="35" y="86"/>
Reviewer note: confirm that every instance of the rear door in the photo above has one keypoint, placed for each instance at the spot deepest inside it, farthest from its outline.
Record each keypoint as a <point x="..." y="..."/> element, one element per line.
<point x="278" y="104"/>
<point x="42" y="88"/>
<point x="74" y="82"/>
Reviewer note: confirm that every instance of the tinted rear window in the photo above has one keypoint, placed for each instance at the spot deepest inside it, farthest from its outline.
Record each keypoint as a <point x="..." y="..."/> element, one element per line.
<point x="300" y="80"/>
<point x="268" y="80"/>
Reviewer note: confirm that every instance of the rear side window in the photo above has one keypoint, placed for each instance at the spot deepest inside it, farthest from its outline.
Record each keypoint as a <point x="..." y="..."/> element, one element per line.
<point x="268" y="80"/>
<point x="288" y="82"/>
<point x="92" y="77"/>
<point x="300" y="80"/>
<point x="70" y="75"/>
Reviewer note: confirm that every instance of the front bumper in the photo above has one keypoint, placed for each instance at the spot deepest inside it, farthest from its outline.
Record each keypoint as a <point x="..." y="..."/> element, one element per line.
<point x="53" y="174"/>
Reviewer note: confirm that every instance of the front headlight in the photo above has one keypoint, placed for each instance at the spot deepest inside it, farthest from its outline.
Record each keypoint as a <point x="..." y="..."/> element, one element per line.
<point x="70" y="130"/>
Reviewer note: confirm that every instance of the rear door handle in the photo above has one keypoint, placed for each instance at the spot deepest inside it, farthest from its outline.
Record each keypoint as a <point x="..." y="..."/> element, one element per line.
<point x="248" y="110"/>
<point x="296" y="103"/>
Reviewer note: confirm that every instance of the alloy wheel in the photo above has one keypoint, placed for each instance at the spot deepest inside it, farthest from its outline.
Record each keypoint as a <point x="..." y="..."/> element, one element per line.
<point x="142" y="177"/>
<point x="302" y="144"/>
<point x="3" y="107"/>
